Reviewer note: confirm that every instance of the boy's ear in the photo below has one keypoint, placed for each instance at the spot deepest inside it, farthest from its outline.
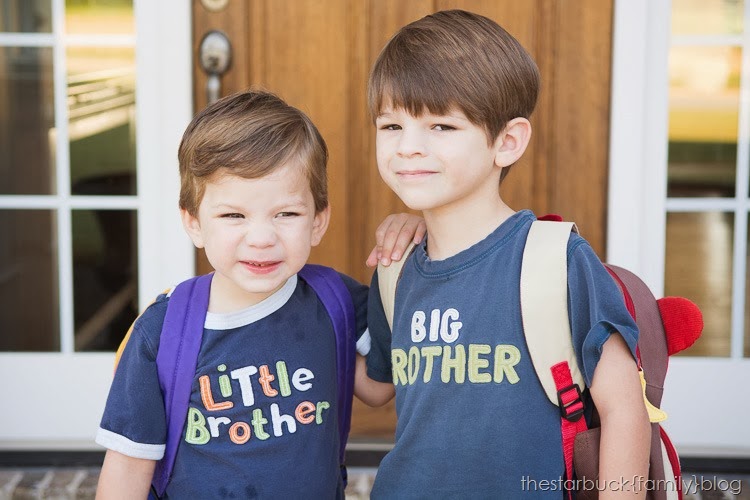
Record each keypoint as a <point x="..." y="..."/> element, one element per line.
<point x="320" y="225"/>
<point x="512" y="142"/>
<point x="192" y="228"/>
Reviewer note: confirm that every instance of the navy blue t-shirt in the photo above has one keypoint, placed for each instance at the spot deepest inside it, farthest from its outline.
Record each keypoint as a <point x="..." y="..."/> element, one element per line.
<point x="262" y="419"/>
<point x="473" y="418"/>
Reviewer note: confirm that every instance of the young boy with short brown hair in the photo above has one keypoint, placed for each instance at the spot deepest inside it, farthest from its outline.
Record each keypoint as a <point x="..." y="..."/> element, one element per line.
<point x="262" y="418"/>
<point x="451" y="95"/>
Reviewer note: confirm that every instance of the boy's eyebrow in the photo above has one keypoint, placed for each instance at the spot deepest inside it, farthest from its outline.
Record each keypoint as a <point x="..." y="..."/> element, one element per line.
<point x="224" y="205"/>
<point x="292" y="203"/>
<point x="289" y="202"/>
<point x="456" y="115"/>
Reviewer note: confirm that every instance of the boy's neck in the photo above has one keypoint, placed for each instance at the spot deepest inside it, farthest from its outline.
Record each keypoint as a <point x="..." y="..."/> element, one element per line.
<point x="226" y="297"/>
<point x="451" y="230"/>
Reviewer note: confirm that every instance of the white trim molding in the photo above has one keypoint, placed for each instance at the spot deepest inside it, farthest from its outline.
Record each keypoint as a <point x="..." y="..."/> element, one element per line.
<point x="164" y="106"/>
<point x="638" y="139"/>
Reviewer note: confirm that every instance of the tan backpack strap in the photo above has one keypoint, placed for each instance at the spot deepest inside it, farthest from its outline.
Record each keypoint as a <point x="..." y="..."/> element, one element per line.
<point x="387" y="281"/>
<point x="544" y="302"/>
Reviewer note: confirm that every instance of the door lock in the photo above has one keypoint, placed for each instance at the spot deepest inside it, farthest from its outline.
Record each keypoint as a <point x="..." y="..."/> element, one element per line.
<point x="215" y="58"/>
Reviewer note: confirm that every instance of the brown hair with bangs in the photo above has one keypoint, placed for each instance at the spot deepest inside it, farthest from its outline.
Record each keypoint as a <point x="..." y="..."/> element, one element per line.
<point x="456" y="59"/>
<point x="249" y="134"/>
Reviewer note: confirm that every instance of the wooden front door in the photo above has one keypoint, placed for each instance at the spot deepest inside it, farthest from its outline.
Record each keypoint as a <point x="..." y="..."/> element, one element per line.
<point x="316" y="54"/>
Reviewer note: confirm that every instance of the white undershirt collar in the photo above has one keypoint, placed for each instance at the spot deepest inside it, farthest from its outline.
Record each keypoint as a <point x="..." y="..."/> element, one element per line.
<point x="227" y="321"/>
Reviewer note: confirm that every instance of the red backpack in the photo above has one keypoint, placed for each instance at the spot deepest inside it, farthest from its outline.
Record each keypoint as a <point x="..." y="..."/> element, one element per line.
<point x="667" y="326"/>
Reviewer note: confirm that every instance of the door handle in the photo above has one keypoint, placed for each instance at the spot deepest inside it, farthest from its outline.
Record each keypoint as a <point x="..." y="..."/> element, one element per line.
<point x="215" y="55"/>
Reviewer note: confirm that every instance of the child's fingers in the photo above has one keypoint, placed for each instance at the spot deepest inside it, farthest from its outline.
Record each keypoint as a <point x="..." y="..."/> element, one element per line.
<point x="412" y="231"/>
<point x="394" y="235"/>
<point x="420" y="231"/>
<point x="382" y="229"/>
<point x="397" y="238"/>
<point x="373" y="258"/>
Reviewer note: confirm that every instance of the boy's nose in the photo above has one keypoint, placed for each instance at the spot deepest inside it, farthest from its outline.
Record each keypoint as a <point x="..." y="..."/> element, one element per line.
<point x="411" y="143"/>
<point x="260" y="235"/>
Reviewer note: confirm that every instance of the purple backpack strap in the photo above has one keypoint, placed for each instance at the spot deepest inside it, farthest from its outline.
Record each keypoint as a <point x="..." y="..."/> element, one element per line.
<point x="176" y="361"/>
<point x="336" y="298"/>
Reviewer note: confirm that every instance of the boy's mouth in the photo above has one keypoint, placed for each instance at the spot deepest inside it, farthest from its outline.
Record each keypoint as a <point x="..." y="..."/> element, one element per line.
<point x="261" y="267"/>
<point x="414" y="174"/>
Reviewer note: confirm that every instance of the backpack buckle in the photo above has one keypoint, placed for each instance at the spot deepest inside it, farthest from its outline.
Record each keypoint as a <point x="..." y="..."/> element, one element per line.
<point x="570" y="404"/>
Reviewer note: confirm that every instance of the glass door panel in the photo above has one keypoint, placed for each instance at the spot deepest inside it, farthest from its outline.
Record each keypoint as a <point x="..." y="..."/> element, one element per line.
<point x="703" y="119"/>
<point x="113" y="17"/>
<point x="105" y="281"/>
<point x="26" y="16"/>
<point x="29" y="314"/>
<point x="707" y="17"/>
<point x="27" y="162"/>
<point x="101" y="114"/>
<point x="699" y="266"/>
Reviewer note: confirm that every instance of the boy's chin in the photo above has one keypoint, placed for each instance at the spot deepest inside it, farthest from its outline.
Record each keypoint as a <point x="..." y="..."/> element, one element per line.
<point x="418" y="205"/>
<point x="419" y="199"/>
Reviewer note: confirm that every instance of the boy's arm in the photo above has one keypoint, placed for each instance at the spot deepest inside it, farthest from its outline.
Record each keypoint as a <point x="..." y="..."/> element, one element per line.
<point x="124" y="477"/>
<point x="625" y="428"/>
<point x="369" y="391"/>
<point x="372" y="379"/>
<point x="372" y="392"/>
<point x="393" y="235"/>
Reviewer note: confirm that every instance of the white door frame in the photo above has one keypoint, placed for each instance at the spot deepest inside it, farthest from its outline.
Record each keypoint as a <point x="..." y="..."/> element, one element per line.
<point x="707" y="398"/>
<point x="164" y="106"/>
<point x="55" y="400"/>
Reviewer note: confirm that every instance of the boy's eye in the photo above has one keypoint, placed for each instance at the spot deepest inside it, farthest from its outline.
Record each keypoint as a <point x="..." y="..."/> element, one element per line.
<point x="232" y="215"/>
<point x="284" y="215"/>
<point x="390" y="126"/>
<point x="443" y="127"/>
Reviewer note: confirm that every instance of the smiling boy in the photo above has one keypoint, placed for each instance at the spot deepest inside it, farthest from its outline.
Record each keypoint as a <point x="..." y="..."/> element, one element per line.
<point x="262" y="415"/>
<point x="451" y="95"/>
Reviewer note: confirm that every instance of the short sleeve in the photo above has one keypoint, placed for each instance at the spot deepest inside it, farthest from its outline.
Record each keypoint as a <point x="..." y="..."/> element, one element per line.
<point x="596" y="306"/>
<point x="379" y="357"/>
<point x="134" y="421"/>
